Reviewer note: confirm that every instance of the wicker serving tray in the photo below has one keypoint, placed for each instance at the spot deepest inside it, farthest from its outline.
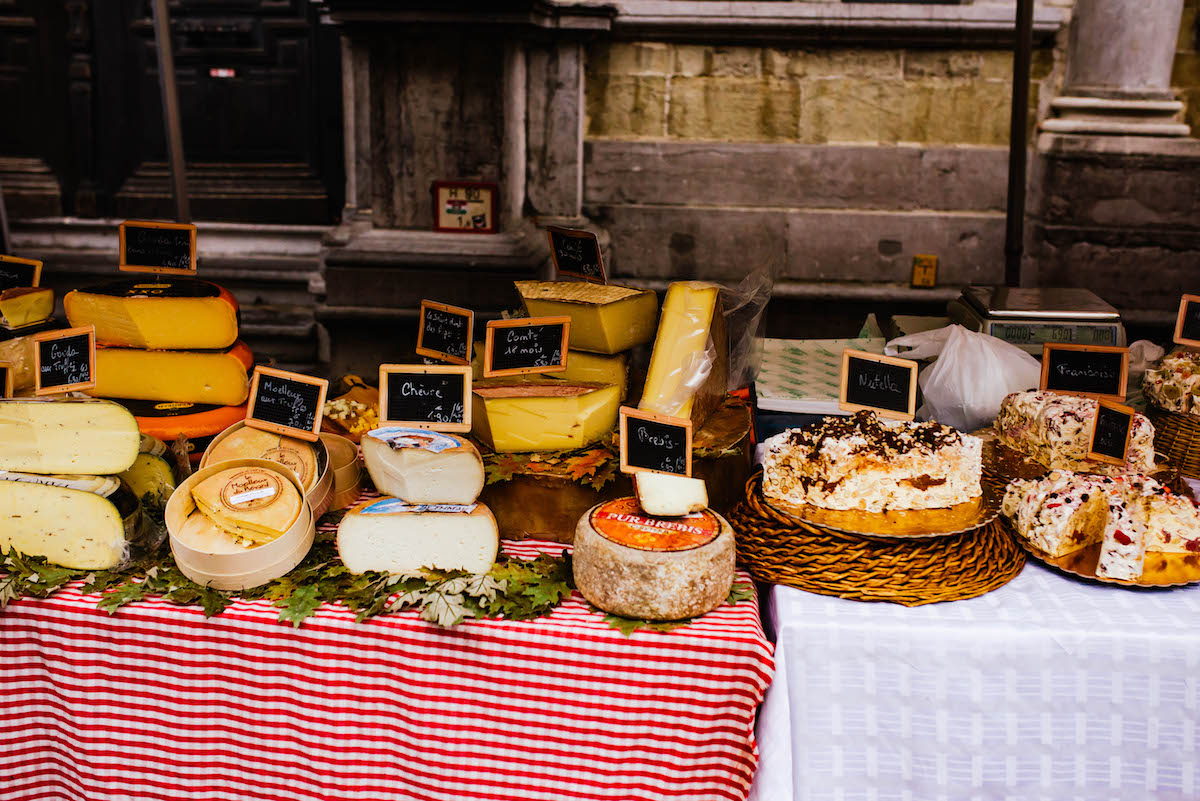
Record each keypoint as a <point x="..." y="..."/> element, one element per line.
<point x="779" y="549"/>
<point x="1177" y="436"/>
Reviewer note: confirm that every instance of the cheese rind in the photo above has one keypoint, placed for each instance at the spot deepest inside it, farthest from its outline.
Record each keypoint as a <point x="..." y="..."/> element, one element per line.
<point x="644" y="583"/>
<point x="92" y="437"/>
<point x="23" y="306"/>
<point x="71" y="528"/>
<point x="157" y="313"/>
<point x="395" y="537"/>
<point x="596" y="368"/>
<point x="518" y="415"/>
<point x="150" y="474"/>
<point x="251" y="443"/>
<point x="218" y="378"/>
<point x="665" y="495"/>
<point x="422" y="466"/>
<point x="605" y="318"/>
<point x="683" y="369"/>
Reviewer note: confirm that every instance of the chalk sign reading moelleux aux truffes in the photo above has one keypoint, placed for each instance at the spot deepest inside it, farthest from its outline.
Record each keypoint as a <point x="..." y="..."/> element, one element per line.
<point x="286" y="403"/>
<point x="445" y="332"/>
<point x="16" y="272"/>
<point x="655" y="443"/>
<point x="529" y="345"/>
<point x="577" y="253"/>
<point x="882" y="384"/>
<point x="157" y="247"/>
<point x="1094" y="371"/>
<point x="437" y="397"/>
<point x="64" y="361"/>
<point x="1110" y="433"/>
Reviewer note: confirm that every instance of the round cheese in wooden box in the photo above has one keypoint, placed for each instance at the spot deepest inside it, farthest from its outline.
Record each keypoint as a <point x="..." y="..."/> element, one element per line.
<point x="308" y="461"/>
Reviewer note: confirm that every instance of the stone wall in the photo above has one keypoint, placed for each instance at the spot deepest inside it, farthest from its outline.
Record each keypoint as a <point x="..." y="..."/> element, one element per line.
<point x="1185" y="77"/>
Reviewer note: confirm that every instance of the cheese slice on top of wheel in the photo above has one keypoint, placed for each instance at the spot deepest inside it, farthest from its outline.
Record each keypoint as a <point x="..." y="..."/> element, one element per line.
<point x="249" y="502"/>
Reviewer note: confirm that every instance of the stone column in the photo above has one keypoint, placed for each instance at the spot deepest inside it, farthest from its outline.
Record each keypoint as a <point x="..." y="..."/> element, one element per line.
<point x="1119" y="70"/>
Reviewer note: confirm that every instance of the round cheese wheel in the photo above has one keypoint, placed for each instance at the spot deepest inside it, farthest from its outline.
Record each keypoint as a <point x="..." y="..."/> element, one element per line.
<point x="629" y="563"/>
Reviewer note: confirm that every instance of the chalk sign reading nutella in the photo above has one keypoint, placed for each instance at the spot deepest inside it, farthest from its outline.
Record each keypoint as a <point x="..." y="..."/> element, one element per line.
<point x="1095" y="371"/>
<point x="286" y="403"/>
<point x="436" y="397"/>
<point x="530" y="345"/>
<point x="883" y="384"/>
<point x="64" y="360"/>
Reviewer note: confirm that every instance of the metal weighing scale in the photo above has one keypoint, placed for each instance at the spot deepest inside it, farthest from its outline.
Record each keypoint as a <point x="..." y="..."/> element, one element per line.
<point x="1029" y="318"/>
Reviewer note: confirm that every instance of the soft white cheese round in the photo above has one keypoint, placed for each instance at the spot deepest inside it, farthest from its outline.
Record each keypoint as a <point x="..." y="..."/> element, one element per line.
<point x="422" y="466"/>
<point x="393" y="536"/>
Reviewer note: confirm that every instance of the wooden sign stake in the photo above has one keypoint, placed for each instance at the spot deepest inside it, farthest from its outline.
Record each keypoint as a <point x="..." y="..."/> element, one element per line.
<point x="314" y="405"/>
<point x="489" y="352"/>
<point x="1095" y="452"/>
<point x="388" y="374"/>
<point x="134" y="265"/>
<point x="1118" y="393"/>
<point x="886" y="383"/>
<point x="39" y="343"/>
<point x="427" y="320"/>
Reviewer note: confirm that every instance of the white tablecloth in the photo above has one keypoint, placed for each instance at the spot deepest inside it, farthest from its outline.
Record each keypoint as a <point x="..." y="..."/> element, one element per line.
<point x="1049" y="688"/>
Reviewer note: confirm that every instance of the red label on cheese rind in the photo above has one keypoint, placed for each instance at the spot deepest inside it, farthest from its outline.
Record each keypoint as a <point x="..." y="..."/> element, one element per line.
<point x="622" y="521"/>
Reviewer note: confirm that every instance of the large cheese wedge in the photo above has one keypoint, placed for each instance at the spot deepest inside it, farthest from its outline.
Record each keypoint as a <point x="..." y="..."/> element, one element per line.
<point x="397" y="537"/>
<point x="23" y="306"/>
<point x="515" y="415"/>
<point x="629" y="563"/>
<point x="69" y="527"/>
<point x="250" y="503"/>
<point x="217" y="378"/>
<point x="421" y="466"/>
<point x="157" y="312"/>
<point x="687" y="378"/>
<point x="250" y="443"/>
<point x="667" y="495"/>
<point x="94" y="437"/>
<point x="18" y="352"/>
<point x="169" y="420"/>
<point x="605" y="318"/>
<point x="596" y="368"/>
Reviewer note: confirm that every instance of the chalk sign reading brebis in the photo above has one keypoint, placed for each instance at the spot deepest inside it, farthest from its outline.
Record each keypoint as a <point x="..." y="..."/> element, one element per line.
<point x="655" y="443"/>
<point x="530" y="345"/>
<point x="286" y="403"/>
<point x="6" y="379"/>
<point x="1094" y="371"/>
<point x="1110" y="433"/>
<point x="882" y="384"/>
<point x="15" y="272"/>
<point x="157" y="247"/>
<point x="64" y="360"/>
<point x="1187" y="324"/>
<point x="445" y="332"/>
<point x="437" y="397"/>
<point x="577" y="253"/>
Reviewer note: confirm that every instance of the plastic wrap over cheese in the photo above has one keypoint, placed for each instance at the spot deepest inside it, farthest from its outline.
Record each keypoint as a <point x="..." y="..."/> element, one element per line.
<point x="684" y="352"/>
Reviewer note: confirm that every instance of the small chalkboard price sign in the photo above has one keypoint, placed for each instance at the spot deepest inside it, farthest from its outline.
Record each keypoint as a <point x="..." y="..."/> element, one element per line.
<point x="577" y="253"/>
<point x="157" y="247"/>
<point x="529" y="345"/>
<point x="6" y="379"/>
<point x="445" y="332"/>
<point x="1187" y="325"/>
<point x="64" y="360"/>
<point x="1094" y="371"/>
<point x="882" y="384"/>
<point x="286" y="403"/>
<point x="437" y="397"/>
<point x="1110" y="433"/>
<point x="16" y="272"/>
<point x="655" y="443"/>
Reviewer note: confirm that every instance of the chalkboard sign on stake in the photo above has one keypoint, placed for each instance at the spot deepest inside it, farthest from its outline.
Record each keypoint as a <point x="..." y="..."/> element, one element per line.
<point x="64" y="360"/>
<point x="655" y="443"/>
<point x="6" y="379"/>
<point x="1187" y="325"/>
<point x="286" y="403"/>
<point x="437" y="397"/>
<point x="1094" y="371"/>
<point x="882" y="384"/>
<point x="157" y="247"/>
<point x="577" y="253"/>
<point x="1110" y="433"/>
<point x="15" y="272"/>
<point x="445" y="332"/>
<point x="529" y="345"/>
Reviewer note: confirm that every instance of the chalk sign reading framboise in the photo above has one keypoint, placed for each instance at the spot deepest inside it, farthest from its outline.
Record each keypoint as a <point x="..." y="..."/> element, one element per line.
<point x="530" y="345"/>
<point x="882" y="384"/>
<point x="64" y="360"/>
<point x="286" y="403"/>
<point x="437" y="397"/>
<point x="655" y="443"/>
<point x="1094" y="371"/>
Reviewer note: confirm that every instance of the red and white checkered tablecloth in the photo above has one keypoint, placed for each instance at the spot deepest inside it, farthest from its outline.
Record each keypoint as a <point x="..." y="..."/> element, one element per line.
<point x="157" y="702"/>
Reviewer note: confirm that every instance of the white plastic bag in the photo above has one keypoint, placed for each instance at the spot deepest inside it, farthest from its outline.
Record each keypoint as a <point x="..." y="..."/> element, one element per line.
<point x="971" y="376"/>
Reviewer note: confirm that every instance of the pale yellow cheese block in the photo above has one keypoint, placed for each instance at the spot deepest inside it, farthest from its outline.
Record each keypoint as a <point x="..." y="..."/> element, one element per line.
<point x="93" y="437"/>
<point x="18" y="352"/>
<point x="605" y="318"/>
<point x="596" y="368"/>
<point x="512" y="416"/>
<point x="26" y="306"/>
<point x="218" y="378"/>
<point x="201" y="534"/>
<point x="690" y="315"/>
<point x="249" y="502"/>
<point x="71" y="528"/>
<point x="392" y="536"/>
<point x="250" y="443"/>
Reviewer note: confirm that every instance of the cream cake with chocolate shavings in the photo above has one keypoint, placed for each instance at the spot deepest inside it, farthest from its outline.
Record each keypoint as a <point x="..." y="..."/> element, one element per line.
<point x="859" y="463"/>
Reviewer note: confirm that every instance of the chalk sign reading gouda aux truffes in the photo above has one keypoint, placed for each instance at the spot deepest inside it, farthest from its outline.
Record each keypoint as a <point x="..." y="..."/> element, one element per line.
<point x="157" y="247"/>
<point x="1094" y="371"/>
<point x="286" y="403"/>
<point x="437" y="397"/>
<point x="64" y="361"/>
<point x="882" y="384"/>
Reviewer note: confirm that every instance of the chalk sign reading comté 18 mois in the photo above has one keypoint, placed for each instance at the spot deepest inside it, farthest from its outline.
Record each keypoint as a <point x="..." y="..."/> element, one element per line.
<point x="445" y="332"/>
<point x="528" y="345"/>
<point x="64" y="361"/>
<point x="1094" y="371"/>
<point x="157" y="247"/>
<point x="1110" y="433"/>
<point x="286" y="403"/>
<point x="655" y="443"/>
<point x="885" y="385"/>
<point x="437" y="397"/>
